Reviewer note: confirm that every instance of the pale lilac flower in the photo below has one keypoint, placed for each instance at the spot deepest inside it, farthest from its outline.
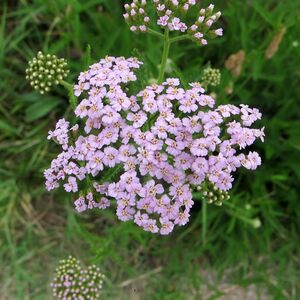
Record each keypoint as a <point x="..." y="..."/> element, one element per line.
<point x="183" y="161"/>
<point x="103" y="203"/>
<point x="150" y="105"/>
<point x="224" y="182"/>
<point x="166" y="226"/>
<point x="151" y="226"/>
<point x="251" y="161"/>
<point x="151" y="189"/>
<point x="125" y="213"/>
<point x="205" y="100"/>
<point x="209" y="22"/>
<point x="138" y="118"/>
<point x="147" y="152"/>
<point x="140" y="219"/>
<point x="260" y="133"/>
<point x="219" y="32"/>
<point x="71" y="185"/>
<point x="194" y="27"/>
<point x="200" y="166"/>
<point x="125" y="152"/>
<point x="163" y="21"/>
<point x="110" y="116"/>
<point x="60" y="134"/>
<point x="188" y="105"/>
<point x="179" y="192"/>
<point x="80" y="205"/>
<point x="172" y="82"/>
<point x="182" y="219"/>
<point x="110" y="157"/>
<point x="161" y="7"/>
<point x="160" y="129"/>
<point x="130" y="182"/>
<point x="199" y="147"/>
<point x="174" y="147"/>
<point x="91" y="203"/>
<point x="198" y="35"/>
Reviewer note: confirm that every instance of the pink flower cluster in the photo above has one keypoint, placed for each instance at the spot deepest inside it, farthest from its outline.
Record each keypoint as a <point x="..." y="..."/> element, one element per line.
<point x="172" y="14"/>
<point x="73" y="282"/>
<point x="60" y="134"/>
<point x="148" y="151"/>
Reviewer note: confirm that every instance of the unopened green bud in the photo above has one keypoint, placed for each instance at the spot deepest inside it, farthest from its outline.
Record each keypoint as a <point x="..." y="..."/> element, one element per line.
<point x="152" y="81"/>
<point x="211" y="76"/>
<point x="45" y="71"/>
<point x="212" y="194"/>
<point x="256" y="223"/>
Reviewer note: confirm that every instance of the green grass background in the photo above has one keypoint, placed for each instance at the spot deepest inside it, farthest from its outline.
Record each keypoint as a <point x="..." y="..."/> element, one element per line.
<point x="38" y="228"/>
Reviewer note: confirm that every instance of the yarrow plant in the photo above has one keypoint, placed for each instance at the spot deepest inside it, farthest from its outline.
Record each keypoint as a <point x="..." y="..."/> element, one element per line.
<point x="73" y="282"/>
<point x="146" y="152"/>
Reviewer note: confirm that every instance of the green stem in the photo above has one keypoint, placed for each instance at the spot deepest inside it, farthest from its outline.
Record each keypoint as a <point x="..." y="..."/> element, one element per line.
<point x="164" y="56"/>
<point x="156" y="33"/>
<point x="239" y="214"/>
<point x="66" y="85"/>
<point x="112" y="172"/>
<point x="179" y="38"/>
<point x="70" y="88"/>
<point x="204" y="220"/>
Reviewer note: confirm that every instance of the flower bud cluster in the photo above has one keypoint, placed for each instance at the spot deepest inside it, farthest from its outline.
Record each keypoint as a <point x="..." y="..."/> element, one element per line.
<point x="148" y="151"/>
<point x="73" y="282"/>
<point x="45" y="71"/>
<point x="174" y="15"/>
<point x="137" y="16"/>
<point x="212" y="194"/>
<point x="211" y="76"/>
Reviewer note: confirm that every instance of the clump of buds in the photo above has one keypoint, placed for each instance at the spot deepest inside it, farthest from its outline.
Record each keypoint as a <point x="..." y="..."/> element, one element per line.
<point x="45" y="71"/>
<point x="212" y="194"/>
<point x="201" y="30"/>
<point x="73" y="282"/>
<point x="174" y="16"/>
<point x="211" y="77"/>
<point x="136" y="16"/>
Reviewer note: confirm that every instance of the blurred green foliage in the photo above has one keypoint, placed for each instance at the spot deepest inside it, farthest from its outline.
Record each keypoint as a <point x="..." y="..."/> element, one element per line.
<point x="39" y="228"/>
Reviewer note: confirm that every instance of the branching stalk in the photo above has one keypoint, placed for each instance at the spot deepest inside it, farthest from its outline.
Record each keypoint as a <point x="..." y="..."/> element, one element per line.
<point x="70" y="88"/>
<point x="156" y="33"/>
<point x="179" y="38"/>
<point x="165" y="56"/>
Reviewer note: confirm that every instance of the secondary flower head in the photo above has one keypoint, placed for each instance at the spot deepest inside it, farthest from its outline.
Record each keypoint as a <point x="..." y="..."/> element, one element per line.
<point x="45" y="71"/>
<point x="174" y="16"/>
<point x="147" y="151"/>
<point x="73" y="282"/>
<point x="211" y="76"/>
<point x="212" y="194"/>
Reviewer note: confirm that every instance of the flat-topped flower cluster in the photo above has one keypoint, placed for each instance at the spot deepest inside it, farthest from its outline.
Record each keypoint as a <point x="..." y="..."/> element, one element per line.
<point x="147" y="152"/>
<point x="174" y="15"/>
